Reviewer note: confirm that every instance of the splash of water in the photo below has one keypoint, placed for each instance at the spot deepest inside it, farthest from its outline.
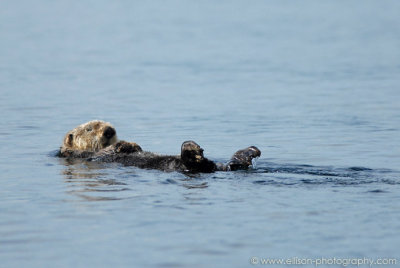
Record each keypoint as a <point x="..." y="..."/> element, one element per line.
<point x="254" y="162"/>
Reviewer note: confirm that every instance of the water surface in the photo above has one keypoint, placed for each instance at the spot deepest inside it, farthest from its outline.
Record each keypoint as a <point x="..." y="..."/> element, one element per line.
<point x="314" y="85"/>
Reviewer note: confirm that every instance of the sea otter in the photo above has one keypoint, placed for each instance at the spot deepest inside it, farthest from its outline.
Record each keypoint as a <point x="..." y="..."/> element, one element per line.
<point x="97" y="141"/>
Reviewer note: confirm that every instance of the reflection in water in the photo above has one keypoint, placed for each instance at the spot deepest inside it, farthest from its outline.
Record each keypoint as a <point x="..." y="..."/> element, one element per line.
<point x="91" y="181"/>
<point x="94" y="181"/>
<point x="193" y="186"/>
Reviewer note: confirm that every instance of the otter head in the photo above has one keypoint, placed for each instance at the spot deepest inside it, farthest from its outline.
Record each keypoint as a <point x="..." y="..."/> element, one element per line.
<point x="91" y="136"/>
<point x="191" y="153"/>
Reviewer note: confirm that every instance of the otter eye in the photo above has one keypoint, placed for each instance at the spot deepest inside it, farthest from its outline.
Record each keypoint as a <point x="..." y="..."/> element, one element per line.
<point x="89" y="129"/>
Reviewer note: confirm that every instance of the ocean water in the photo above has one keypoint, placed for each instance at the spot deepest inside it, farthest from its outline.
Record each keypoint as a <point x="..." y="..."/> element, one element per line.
<point x="314" y="84"/>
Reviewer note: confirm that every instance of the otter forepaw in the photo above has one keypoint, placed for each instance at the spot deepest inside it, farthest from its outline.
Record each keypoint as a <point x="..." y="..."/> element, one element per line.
<point x="127" y="147"/>
<point x="242" y="159"/>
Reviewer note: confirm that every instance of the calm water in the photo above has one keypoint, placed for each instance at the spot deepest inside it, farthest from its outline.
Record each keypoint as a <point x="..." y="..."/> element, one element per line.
<point x="315" y="85"/>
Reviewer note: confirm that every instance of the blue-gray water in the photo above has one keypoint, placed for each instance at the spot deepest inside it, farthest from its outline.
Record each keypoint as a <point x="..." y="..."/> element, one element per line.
<point x="314" y="84"/>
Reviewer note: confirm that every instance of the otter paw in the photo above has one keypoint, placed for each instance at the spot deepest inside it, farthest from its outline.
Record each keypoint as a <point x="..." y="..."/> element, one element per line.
<point x="242" y="159"/>
<point x="127" y="147"/>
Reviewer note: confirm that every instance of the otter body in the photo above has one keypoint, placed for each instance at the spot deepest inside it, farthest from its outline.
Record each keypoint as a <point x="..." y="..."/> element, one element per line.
<point x="97" y="141"/>
<point x="149" y="160"/>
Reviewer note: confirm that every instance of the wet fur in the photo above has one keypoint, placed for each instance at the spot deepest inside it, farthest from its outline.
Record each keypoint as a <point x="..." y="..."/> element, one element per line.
<point x="148" y="160"/>
<point x="191" y="159"/>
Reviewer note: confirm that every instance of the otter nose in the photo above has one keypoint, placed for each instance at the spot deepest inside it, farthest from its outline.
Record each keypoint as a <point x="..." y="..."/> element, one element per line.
<point x="109" y="132"/>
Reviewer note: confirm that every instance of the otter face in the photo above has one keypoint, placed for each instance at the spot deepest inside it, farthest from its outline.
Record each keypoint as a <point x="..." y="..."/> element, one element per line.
<point x="91" y="136"/>
<point x="191" y="152"/>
